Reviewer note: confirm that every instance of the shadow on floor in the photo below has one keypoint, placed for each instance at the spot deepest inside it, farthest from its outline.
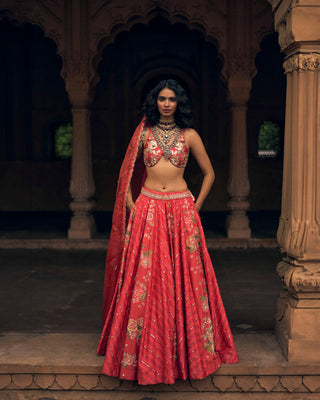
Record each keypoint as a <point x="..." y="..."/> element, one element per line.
<point x="61" y="291"/>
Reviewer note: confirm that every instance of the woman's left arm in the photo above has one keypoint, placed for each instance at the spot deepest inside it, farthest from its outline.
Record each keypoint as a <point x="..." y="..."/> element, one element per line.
<point x="199" y="152"/>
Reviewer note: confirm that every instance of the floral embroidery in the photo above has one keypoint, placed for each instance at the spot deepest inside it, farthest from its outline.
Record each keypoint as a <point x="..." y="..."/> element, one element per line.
<point x="188" y="218"/>
<point x="204" y="302"/>
<point x="154" y="149"/>
<point x="152" y="144"/>
<point x="129" y="359"/>
<point x="192" y="241"/>
<point x="127" y="238"/>
<point x="150" y="218"/>
<point x="145" y="259"/>
<point x="139" y="293"/>
<point x="149" y="275"/>
<point x="170" y="221"/>
<point x="179" y="146"/>
<point x="142" y="139"/>
<point x="134" y="328"/>
<point x="208" y="335"/>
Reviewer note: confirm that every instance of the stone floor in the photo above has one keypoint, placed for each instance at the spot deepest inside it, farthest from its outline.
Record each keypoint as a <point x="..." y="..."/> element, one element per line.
<point x="61" y="291"/>
<point x="50" y="325"/>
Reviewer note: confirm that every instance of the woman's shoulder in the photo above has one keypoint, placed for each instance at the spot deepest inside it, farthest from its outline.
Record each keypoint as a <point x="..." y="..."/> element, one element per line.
<point x="190" y="134"/>
<point x="190" y="131"/>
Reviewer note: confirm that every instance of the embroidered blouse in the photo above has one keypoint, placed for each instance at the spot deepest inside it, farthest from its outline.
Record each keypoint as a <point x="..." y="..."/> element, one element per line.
<point x="152" y="152"/>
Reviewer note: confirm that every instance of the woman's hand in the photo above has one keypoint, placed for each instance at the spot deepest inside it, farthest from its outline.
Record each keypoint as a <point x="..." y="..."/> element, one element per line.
<point x="198" y="206"/>
<point x="129" y="200"/>
<point x="130" y="205"/>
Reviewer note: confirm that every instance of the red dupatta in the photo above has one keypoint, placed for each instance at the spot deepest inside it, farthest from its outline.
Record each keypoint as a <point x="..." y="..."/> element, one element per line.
<point x="132" y="172"/>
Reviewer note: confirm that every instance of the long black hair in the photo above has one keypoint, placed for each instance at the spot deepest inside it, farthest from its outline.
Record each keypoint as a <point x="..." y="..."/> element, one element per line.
<point x="182" y="116"/>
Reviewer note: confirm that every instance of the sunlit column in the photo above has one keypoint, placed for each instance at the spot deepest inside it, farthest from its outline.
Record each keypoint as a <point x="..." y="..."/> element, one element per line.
<point x="298" y="314"/>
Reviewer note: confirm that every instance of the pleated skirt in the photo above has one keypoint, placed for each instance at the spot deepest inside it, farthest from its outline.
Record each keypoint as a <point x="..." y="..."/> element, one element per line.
<point x="167" y="319"/>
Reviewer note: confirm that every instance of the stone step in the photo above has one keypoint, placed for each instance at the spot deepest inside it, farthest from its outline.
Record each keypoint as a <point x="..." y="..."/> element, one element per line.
<point x="102" y="244"/>
<point x="49" y="364"/>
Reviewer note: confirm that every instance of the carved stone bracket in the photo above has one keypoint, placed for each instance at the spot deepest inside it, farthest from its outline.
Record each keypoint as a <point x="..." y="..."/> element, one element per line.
<point x="241" y="64"/>
<point x="239" y="86"/>
<point x="300" y="278"/>
<point x="302" y="62"/>
<point x="76" y="76"/>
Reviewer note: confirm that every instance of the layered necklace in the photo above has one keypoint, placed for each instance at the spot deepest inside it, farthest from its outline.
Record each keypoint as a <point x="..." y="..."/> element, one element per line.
<point x="166" y="130"/>
<point x="163" y="132"/>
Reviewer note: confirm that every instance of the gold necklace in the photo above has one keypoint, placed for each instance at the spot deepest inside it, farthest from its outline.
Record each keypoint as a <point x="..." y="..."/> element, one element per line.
<point x="166" y="130"/>
<point x="165" y="147"/>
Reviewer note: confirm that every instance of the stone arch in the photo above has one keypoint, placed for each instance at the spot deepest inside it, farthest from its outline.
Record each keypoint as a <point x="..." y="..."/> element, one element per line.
<point x="266" y="103"/>
<point x="109" y="23"/>
<point x="35" y="87"/>
<point x="269" y="69"/>
<point x="262" y="26"/>
<point x="151" y="68"/>
<point x="48" y="20"/>
<point x="51" y="27"/>
<point x="30" y="37"/>
<point x="108" y="146"/>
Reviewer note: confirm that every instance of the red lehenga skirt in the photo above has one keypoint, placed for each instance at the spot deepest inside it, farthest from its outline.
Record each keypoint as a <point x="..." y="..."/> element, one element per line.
<point x="167" y="320"/>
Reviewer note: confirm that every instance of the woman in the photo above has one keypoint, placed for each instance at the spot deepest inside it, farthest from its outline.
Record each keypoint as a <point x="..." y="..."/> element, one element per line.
<point x="163" y="314"/>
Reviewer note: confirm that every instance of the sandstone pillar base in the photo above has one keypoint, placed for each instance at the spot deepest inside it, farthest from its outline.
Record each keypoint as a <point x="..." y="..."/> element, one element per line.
<point x="237" y="227"/>
<point x="82" y="224"/>
<point x="237" y="222"/>
<point x="82" y="227"/>
<point x="297" y="321"/>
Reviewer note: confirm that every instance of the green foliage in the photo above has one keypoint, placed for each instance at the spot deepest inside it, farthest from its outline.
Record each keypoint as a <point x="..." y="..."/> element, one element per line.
<point x="63" y="141"/>
<point x="269" y="137"/>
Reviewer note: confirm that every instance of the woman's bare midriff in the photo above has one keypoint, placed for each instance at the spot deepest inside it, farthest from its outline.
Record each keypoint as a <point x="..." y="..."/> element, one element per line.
<point x="165" y="177"/>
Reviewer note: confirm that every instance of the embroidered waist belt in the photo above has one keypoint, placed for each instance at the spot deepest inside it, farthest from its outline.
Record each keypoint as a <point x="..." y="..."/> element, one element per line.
<point x="166" y="195"/>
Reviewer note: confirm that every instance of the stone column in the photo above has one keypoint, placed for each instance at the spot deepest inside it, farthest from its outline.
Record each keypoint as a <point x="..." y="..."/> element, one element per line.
<point x="297" y="322"/>
<point x="237" y="224"/>
<point x="298" y="315"/>
<point x="82" y="186"/>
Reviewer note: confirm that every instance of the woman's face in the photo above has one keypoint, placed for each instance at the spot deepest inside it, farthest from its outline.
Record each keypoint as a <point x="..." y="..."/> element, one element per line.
<point x="167" y="103"/>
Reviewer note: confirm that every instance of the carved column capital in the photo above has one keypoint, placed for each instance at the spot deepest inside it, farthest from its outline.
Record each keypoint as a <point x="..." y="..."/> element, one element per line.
<point x="241" y="64"/>
<point x="303" y="278"/>
<point x="240" y="72"/>
<point x="302" y="62"/>
<point x="77" y="82"/>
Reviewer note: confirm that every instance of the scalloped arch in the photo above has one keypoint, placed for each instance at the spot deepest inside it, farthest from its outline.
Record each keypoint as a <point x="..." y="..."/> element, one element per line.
<point x="258" y="49"/>
<point x="20" y="18"/>
<point x="124" y="23"/>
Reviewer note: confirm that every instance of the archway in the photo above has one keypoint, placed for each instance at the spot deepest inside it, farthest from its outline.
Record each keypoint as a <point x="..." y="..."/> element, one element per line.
<point x="267" y="103"/>
<point x="32" y="95"/>
<point x="130" y="66"/>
